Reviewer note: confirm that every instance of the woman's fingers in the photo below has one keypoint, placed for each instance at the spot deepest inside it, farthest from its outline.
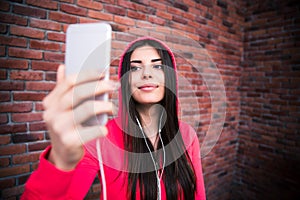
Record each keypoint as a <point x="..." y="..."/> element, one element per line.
<point x="90" y="109"/>
<point x="72" y="89"/>
<point x="89" y="133"/>
<point x="86" y="91"/>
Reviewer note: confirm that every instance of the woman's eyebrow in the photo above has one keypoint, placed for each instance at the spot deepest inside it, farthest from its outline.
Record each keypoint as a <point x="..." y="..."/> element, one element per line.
<point x="139" y="61"/>
<point x="156" y="60"/>
<point x="135" y="61"/>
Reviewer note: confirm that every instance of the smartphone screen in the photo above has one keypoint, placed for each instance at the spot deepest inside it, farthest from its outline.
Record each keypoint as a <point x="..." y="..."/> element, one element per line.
<point x="88" y="47"/>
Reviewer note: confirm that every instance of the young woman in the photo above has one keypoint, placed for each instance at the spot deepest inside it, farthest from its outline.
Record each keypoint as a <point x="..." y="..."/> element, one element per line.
<point x="147" y="153"/>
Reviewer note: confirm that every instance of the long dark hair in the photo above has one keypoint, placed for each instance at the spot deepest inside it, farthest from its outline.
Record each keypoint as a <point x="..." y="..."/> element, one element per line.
<point x="178" y="176"/>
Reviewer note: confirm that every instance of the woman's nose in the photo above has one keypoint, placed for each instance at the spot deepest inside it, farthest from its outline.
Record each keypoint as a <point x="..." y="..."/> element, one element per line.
<point x="146" y="72"/>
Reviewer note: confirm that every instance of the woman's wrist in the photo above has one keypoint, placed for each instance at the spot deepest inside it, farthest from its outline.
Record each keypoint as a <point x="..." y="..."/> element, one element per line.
<point x="64" y="161"/>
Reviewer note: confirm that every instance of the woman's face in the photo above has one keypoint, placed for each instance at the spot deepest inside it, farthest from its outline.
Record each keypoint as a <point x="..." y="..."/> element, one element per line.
<point x="147" y="78"/>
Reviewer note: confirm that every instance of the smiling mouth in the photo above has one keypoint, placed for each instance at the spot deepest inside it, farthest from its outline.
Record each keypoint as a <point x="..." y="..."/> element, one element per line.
<point x="148" y="87"/>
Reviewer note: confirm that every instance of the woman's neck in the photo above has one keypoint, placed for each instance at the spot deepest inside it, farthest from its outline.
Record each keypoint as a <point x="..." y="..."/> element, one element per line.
<point x="150" y="119"/>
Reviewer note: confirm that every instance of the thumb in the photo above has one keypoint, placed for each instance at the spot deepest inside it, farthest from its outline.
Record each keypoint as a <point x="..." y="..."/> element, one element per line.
<point x="60" y="73"/>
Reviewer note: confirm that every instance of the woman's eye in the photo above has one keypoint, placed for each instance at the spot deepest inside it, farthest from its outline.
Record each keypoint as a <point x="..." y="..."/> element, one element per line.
<point x="158" y="66"/>
<point x="134" y="68"/>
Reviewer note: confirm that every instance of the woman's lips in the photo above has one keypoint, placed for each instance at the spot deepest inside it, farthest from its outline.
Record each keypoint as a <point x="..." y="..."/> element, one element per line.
<point x="148" y="87"/>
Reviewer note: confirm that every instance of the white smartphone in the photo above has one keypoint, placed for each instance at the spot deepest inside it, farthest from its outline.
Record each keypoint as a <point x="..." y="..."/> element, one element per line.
<point x="88" y="47"/>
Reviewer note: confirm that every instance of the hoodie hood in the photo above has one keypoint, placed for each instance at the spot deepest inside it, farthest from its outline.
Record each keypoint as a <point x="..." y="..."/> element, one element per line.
<point x="128" y="48"/>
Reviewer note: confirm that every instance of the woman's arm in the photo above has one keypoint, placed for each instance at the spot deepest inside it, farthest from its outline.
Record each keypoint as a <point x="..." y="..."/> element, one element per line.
<point x="65" y="169"/>
<point x="49" y="182"/>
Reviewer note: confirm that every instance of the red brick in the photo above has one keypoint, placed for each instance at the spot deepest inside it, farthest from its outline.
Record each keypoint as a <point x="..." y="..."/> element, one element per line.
<point x="3" y="28"/>
<point x="124" y="20"/>
<point x="28" y="96"/>
<point x="39" y="86"/>
<point x="10" y="85"/>
<point x="39" y="106"/>
<point x="73" y="10"/>
<point x="12" y="192"/>
<point x="11" y="149"/>
<point x="25" y="158"/>
<point x="144" y="24"/>
<point x="34" y="166"/>
<point x="27" y="32"/>
<point x="13" y="19"/>
<point x="45" y="66"/>
<point x="41" y="45"/>
<point x="27" y="11"/>
<point x="25" y="53"/>
<point x="4" y="139"/>
<point x="136" y="15"/>
<point x="15" y="107"/>
<point x="26" y="75"/>
<point x="4" y="6"/>
<point x="156" y="20"/>
<point x="50" y="76"/>
<point x="116" y="10"/>
<point x="83" y="20"/>
<point x="174" y="11"/>
<point x="59" y="37"/>
<point x="2" y="51"/>
<point x="26" y="117"/>
<point x="68" y="1"/>
<point x="90" y="4"/>
<point x="179" y="19"/>
<point x="13" y="41"/>
<point x="3" y="74"/>
<point x="123" y="37"/>
<point x="23" y="178"/>
<point x="163" y="14"/>
<point x="7" y="182"/>
<point x="119" y="28"/>
<point x="118" y="45"/>
<point x="38" y="126"/>
<point x="60" y="17"/>
<point x="100" y="15"/>
<point x="14" y="64"/>
<point x="3" y="119"/>
<point x="52" y="56"/>
<point x="25" y="137"/>
<point x="39" y="146"/>
<point x="43" y="4"/>
<point x="45" y="24"/>
<point x="16" y="128"/>
<point x="158" y="5"/>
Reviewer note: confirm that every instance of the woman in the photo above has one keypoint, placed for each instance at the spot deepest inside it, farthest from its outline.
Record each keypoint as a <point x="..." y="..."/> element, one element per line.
<point x="147" y="152"/>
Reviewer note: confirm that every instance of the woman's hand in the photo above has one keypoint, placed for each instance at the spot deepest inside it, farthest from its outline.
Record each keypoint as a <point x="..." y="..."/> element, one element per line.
<point x="67" y="107"/>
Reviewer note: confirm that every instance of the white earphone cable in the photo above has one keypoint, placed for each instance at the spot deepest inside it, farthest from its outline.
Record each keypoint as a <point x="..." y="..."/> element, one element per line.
<point x="101" y="169"/>
<point x="156" y="166"/>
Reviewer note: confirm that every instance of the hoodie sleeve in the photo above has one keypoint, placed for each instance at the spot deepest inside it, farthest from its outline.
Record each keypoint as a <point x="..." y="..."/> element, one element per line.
<point x="192" y="143"/>
<point x="48" y="182"/>
<point x="196" y="159"/>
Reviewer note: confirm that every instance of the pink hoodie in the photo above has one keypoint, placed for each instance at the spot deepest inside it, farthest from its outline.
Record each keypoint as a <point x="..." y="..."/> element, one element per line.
<point x="48" y="182"/>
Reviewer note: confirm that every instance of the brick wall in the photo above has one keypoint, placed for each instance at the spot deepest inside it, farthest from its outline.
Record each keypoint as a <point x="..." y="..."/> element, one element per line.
<point x="268" y="154"/>
<point x="211" y="39"/>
